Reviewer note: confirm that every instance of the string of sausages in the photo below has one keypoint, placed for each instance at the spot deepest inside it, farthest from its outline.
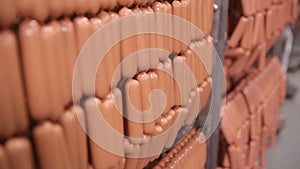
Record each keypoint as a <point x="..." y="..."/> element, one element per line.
<point x="255" y="84"/>
<point x="254" y="26"/>
<point x="250" y="117"/>
<point x="189" y="153"/>
<point x="40" y="42"/>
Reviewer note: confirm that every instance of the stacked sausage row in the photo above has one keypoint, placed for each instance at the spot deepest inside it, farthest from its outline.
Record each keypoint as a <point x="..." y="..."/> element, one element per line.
<point x="40" y="42"/>
<point x="254" y="26"/>
<point x="190" y="153"/>
<point x="57" y="145"/>
<point x="14" y="11"/>
<point x="250" y="118"/>
<point x="255" y="84"/>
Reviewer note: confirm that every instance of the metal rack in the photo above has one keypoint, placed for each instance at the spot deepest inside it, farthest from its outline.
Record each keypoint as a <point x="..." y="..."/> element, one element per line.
<point x="219" y="33"/>
<point x="283" y="47"/>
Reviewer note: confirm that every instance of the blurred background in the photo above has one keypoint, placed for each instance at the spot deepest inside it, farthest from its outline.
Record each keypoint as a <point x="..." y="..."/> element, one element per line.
<point x="286" y="152"/>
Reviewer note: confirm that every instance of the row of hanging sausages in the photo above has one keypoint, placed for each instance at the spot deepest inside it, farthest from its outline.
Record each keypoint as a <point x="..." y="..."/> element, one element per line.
<point x="17" y="153"/>
<point x="14" y="115"/>
<point x="255" y="6"/>
<point x="138" y="92"/>
<point x="190" y="153"/>
<point x="256" y="30"/>
<point x="250" y="118"/>
<point x="12" y="11"/>
<point x="65" y="145"/>
<point x="39" y="59"/>
<point x="67" y="149"/>
<point x="57" y="145"/>
<point x="42" y="10"/>
<point x="60" y="139"/>
<point x="48" y="53"/>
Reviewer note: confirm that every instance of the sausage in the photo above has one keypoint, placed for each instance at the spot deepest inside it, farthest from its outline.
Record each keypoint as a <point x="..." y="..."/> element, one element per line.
<point x="94" y="6"/>
<point x="51" y="146"/>
<point x="169" y="83"/>
<point x="142" y="40"/>
<point x="62" y="64"/>
<point x="116" y="50"/>
<point x="238" y="32"/>
<point x="112" y="4"/>
<point x="14" y="111"/>
<point x="158" y="8"/>
<point x="133" y="93"/>
<point x="181" y="114"/>
<point x="102" y="85"/>
<point x="128" y="46"/>
<point x="8" y="13"/>
<point x="34" y="69"/>
<point x="23" y="7"/>
<point x="4" y="161"/>
<point x="145" y="88"/>
<point x="192" y="63"/>
<point x="70" y="6"/>
<point x="177" y="11"/>
<point x="19" y="152"/>
<point x="68" y="123"/>
<point x="246" y="41"/>
<point x="194" y="18"/>
<point x="194" y="108"/>
<point x="140" y="2"/>
<point x="181" y="93"/>
<point x="100" y="157"/>
<point x="155" y="84"/>
<point x="51" y="59"/>
<point x="258" y="25"/>
<point x="84" y="29"/>
<point x="168" y="25"/>
<point x="40" y="10"/>
<point x="75" y="137"/>
<point x="153" y="43"/>
<point x="208" y="15"/>
<point x="126" y="3"/>
<point x="70" y="55"/>
<point x="56" y="8"/>
<point x="234" y="52"/>
<point x="82" y="7"/>
<point x="248" y="7"/>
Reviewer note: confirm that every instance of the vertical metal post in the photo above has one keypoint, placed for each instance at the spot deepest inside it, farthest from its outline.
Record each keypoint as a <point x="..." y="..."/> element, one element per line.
<point x="219" y="33"/>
